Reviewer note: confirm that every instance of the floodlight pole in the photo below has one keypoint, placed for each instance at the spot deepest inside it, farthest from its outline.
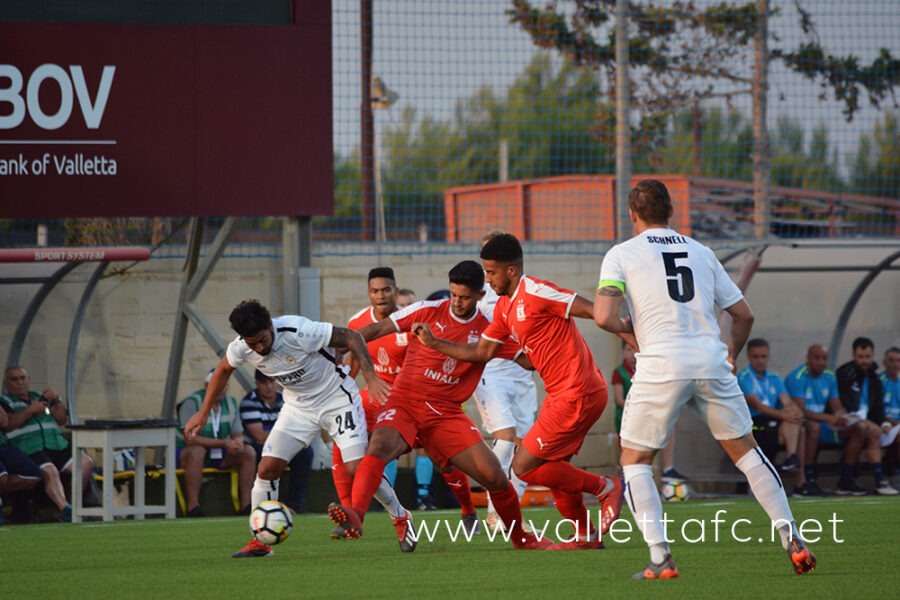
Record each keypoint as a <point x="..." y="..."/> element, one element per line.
<point x="366" y="122"/>
<point x="623" y="129"/>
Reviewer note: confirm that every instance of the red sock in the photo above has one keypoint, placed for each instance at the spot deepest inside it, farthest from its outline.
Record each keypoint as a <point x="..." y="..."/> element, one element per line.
<point x="458" y="482"/>
<point x="343" y="482"/>
<point x="560" y="475"/>
<point x="506" y="503"/>
<point x="571" y="506"/>
<point x="365" y="483"/>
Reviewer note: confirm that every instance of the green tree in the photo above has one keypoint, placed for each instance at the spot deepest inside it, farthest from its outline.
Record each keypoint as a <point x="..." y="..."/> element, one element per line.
<point x="546" y="117"/>
<point x="876" y="166"/>
<point x="680" y="54"/>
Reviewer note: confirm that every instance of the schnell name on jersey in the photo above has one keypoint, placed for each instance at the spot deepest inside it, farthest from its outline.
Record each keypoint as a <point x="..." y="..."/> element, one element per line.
<point x="668" y="239"/>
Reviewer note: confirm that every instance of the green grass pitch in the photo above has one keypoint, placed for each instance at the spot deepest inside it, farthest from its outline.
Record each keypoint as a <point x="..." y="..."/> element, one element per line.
<point x="189" y="558"/>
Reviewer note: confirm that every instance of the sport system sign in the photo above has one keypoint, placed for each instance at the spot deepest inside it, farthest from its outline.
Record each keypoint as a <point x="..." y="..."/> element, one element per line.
<point x="104" y="120"/>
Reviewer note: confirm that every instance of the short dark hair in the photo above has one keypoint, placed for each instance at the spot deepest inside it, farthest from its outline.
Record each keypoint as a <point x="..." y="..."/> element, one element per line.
<point x="260" y="376"/>
<point x="468" y="273"/>
<point x="861" y="343"/>
<point x="892" y="350"/>
<point x="249" y="318"/>
<point x="504" y="248"/>
<point x="757" y="343"/>
<point x="438" y="295"/>
<point x="650" y="201"/>
<point x="386" y="272"/>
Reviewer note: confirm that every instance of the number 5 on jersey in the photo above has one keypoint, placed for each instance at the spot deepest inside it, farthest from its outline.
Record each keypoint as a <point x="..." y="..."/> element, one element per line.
<point x="679" y="278"/>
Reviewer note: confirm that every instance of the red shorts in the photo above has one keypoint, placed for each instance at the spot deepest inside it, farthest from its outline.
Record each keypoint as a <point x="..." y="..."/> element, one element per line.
<point x="443" y="430"/>
<point x="562" y="424"/>
<point x="371" y="408"/>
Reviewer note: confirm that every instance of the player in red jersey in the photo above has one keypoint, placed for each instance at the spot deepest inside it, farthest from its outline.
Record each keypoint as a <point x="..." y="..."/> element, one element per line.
<point x="537" y="314"/>
<point x="425" y="406"/>
<point x="387" y="354"/>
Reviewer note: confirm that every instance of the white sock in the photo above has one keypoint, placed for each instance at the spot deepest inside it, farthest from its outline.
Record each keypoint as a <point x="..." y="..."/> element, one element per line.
<point x="263" y="490"/>
<point x="646" y="508"/>
<point x="504" y="450"/>
<point x="388" y="499"/>
<point x="769" y="492"/>
<point x="518" y="484"/>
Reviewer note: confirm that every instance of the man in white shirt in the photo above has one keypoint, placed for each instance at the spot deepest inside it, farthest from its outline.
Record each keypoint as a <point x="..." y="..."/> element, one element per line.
<point x="672" y="285"/>
<point x="318" y="395"/>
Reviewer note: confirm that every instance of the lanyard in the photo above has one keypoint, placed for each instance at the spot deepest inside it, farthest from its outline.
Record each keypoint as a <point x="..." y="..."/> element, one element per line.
<point x="763" y="397"/>
<point x="216" y="420"/>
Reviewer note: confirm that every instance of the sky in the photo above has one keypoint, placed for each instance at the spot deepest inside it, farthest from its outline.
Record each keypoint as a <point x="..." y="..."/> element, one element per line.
<point x="434" y="53"/>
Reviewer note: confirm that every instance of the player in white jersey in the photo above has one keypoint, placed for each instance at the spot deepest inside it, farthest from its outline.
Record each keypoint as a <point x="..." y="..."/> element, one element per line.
<point x="672" y="284"/>
<point x="506" y="398"/>
<point x="318" y="395"/>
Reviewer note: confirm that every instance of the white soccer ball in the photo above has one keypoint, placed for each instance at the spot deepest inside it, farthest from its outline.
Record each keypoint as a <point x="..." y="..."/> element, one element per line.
<point x="675" y="491"/>
<point x="271" y="522"/>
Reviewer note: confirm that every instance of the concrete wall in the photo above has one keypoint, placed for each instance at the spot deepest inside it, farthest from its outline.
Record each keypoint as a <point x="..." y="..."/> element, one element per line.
<point x="124" y="346"/>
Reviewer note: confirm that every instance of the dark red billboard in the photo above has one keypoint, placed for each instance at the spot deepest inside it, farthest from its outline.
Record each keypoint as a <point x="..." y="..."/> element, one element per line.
<point x="111" y="120"/>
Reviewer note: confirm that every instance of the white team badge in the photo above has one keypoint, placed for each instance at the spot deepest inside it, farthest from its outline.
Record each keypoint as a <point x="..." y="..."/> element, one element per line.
<point x="520" y="312"/>
<point x="473" y="338"/>
<point x="383" y="358"/>
<point x="449" y="365"/>
<point x="402" y="340"/>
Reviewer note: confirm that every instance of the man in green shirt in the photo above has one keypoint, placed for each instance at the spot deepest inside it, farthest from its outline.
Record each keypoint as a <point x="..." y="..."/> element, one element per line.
<point x="220" y="445"/>
<point x="32" y="428"/>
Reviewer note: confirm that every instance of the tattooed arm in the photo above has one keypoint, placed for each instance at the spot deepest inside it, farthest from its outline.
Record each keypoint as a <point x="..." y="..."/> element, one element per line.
<point x="341" y="337"/>
<point x="606" y="314"/>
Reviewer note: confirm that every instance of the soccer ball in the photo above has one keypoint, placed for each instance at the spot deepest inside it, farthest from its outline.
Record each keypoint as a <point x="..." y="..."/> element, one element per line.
<point x="271" y="522"/>
<point x="675" y="491"/>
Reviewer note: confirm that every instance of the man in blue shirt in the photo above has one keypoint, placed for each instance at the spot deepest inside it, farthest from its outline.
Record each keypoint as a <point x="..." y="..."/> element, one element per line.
<point x="862" y="397"/>
<point x="814" y="389"/>
<point x="890" y="382"/>
<point x="777" y="420"/>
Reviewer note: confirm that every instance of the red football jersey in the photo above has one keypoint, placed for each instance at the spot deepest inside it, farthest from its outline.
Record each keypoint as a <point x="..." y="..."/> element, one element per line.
<point x="427" y="374"/>
<point x="388" y="351"/>
<point x="537" y="317"/>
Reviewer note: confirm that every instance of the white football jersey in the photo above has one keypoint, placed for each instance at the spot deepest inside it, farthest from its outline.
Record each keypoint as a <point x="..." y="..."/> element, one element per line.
<point x="299" y="360"/>
<point x="499" y="367"/>
<point x="672" y="285"/>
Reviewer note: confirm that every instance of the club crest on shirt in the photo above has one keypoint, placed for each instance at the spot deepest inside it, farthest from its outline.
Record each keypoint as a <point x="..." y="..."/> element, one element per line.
<point x="289" y="358"/>
<point x="383" y="358"/>
<point x="473" y="338"/>
<point x="449" y="365"/>
<point x="520" y="312"/>
<point x="402" y="339"/>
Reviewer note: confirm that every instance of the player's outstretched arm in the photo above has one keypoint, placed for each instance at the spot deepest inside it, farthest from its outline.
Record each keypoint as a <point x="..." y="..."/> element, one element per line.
<point x="607" y="302"/>
<point x="378" y="329"/>
<point x="216" y="386"/>
<point x="477" y="352"/>
<point x="742" y="321"/>
<point x="341" y="337"/>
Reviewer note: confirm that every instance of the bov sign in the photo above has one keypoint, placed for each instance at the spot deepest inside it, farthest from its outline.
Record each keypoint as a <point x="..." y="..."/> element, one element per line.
<point x="50" y="74"/>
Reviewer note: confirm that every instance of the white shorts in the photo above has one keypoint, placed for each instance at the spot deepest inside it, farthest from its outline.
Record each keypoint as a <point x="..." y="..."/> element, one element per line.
<point x="506" y="403"/>
<point x="342" y="416"/>
<point x="652" y="408"/>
